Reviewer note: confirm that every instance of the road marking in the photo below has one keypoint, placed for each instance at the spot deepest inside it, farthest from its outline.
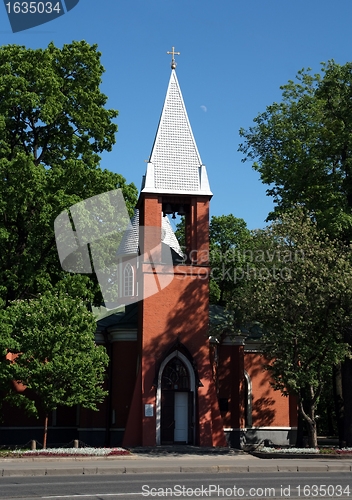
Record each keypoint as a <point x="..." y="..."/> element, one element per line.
<point x="93" y="496"/>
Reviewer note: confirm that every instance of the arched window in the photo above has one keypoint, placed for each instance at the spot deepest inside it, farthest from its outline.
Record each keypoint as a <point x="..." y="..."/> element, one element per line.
<point x="128" y="280"/>
<point x="175" y="375"/>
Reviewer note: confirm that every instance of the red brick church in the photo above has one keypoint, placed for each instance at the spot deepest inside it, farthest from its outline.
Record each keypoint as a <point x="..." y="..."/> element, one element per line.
<point x="169" y="381"/>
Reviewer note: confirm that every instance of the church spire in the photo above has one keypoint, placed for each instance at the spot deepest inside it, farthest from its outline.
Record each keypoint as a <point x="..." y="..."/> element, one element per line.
<point x="175" y="165"/>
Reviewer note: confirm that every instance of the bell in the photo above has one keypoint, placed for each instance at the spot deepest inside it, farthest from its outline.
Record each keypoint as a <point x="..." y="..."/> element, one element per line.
<point x="174" y="216"/>
<point x="168" y="209"/>
<point x="181" y="210"/>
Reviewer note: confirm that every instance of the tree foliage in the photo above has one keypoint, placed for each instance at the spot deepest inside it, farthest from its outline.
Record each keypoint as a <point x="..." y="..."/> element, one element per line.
<point x="301" y="292"/>
<point x="53" y="126"/>
<point x="229" y="241"/>
<point x="302" y="147"/>
<point x="50" y="348"/>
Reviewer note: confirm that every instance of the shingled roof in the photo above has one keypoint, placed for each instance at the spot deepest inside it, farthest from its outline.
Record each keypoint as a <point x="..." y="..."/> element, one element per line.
<point x="130" y="241"/>
<point x="175" y="165"/>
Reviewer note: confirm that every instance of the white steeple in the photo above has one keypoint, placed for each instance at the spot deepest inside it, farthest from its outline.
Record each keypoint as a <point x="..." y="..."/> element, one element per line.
<point x="175" y="165"/>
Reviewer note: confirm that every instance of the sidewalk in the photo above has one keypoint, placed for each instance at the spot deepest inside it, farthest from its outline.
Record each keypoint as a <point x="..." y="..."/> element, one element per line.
<point x="167" y="460"/>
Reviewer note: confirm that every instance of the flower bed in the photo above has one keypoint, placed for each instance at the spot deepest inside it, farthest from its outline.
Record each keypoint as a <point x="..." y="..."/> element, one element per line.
<point x="67" y="452"/>
<point x="306" y="451"/>
<point x="267" y="449"/>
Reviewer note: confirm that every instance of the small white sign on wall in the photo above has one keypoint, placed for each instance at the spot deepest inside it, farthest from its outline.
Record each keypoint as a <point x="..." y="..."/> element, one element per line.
<point x="149" y="410"/>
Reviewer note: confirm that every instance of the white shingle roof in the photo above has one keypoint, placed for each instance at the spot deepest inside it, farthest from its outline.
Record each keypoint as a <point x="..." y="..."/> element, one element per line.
<point x="130" y="241"/>
<point x="175" y="165"/>
<point x="168" y="236"/>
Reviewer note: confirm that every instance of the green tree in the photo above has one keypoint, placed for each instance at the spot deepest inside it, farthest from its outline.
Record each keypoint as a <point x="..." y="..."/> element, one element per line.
<point x="300" y="291"/>
<point x="302" y="148"/>
<point x="229" y="252"/>
<point x="51" y="340"/>
<point x="53" y="126"/>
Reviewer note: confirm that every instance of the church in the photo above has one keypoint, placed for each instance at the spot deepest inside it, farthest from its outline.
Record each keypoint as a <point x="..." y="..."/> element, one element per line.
<point x="169" y="381"/>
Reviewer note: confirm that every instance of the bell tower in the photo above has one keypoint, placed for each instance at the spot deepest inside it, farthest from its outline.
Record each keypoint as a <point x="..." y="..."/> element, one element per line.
<point x="174" y="399"/>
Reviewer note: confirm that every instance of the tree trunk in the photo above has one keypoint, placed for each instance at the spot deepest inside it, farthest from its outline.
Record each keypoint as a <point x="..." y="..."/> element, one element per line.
<point x="338" y="400"/>
<point x="45" y="430"/>
<point x="312" y="434"/>
<point x="306" y="408"/>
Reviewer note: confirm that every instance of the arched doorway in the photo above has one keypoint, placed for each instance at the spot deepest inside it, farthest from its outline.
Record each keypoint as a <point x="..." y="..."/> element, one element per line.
<point x="175" y="405"/>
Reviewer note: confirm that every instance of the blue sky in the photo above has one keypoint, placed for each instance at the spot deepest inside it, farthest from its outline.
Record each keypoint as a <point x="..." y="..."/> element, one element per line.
<point x="234" y="57"/>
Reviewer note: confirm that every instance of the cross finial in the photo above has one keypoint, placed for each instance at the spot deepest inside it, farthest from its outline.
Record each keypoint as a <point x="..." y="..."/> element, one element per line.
<point x="173" y="64"/>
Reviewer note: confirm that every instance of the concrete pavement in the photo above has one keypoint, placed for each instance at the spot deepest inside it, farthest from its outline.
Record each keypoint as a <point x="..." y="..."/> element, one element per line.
<point x="168" y="460"/>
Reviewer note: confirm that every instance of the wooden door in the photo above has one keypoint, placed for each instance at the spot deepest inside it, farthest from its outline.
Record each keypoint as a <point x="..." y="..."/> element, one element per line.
<point x="167" y="417"/>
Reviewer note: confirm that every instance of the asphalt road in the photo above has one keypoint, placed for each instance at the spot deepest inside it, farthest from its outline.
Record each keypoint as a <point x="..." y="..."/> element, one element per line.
<point x="189" y="485"/>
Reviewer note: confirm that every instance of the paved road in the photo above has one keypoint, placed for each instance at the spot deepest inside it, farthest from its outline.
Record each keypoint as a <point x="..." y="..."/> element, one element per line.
<point x="136" y="486"/>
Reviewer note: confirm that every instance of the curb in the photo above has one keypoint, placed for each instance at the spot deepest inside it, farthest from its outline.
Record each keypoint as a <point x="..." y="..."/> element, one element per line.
<point x="216" y="469"/>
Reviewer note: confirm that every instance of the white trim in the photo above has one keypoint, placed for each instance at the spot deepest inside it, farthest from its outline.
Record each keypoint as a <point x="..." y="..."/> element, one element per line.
<point x="128" y="280"/>
<point x="235" y="340"/>
<point x="149" y="177"/>
<point x="254" y="347"/>
<point x="119" y="276"/>
<point x="117" y="335"/>
<point x="177" y="191"/>
<point x="158" y="392"/>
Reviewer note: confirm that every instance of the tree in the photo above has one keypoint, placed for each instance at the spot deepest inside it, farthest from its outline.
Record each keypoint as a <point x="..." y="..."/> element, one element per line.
<point x="300" y="291"/>
<point x="302" y="148"/>
<point x="52" y="352"/>
<point x="228" y="246"/>
<point x="53" y="126"/>
<point x="228" y="251"/>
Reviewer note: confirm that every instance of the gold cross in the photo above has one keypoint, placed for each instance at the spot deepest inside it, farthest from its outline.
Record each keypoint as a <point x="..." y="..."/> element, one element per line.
<point x="173" y="64"/>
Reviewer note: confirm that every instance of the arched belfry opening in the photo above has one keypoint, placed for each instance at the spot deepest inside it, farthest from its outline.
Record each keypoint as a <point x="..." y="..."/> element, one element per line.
<point x="175" y="400"/>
